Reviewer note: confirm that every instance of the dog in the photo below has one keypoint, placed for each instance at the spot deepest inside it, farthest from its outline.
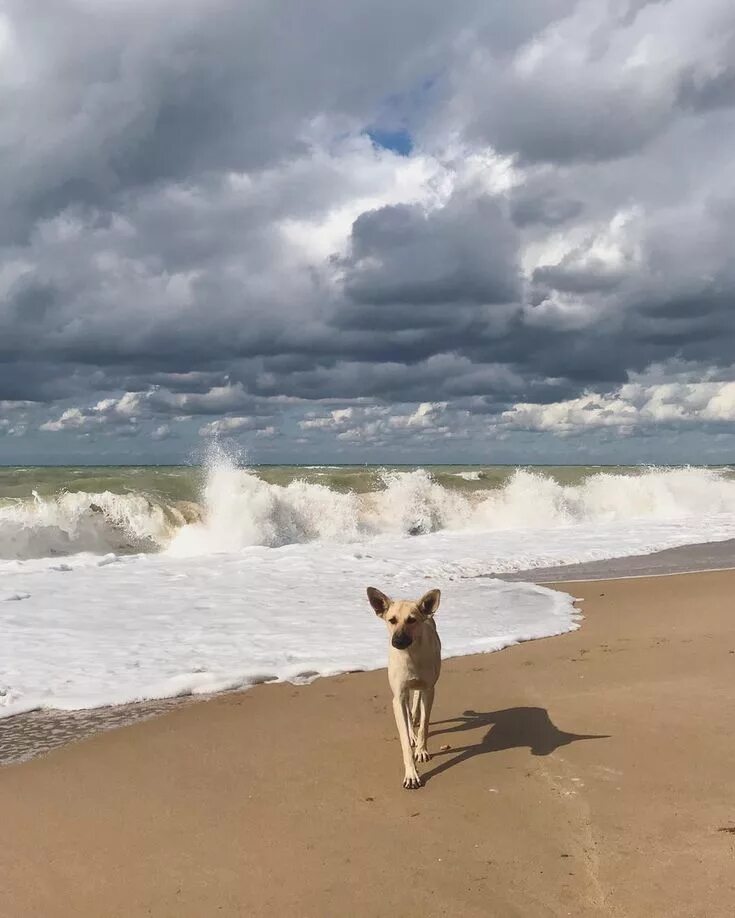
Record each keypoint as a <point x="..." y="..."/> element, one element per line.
<point x="414" y="664"/>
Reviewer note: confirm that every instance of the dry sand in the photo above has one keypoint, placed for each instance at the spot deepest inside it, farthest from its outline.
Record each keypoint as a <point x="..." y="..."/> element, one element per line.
<point x="288" y="800"/>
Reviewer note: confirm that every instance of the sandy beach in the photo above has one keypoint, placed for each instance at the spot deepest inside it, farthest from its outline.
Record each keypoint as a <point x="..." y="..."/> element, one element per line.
<point x="587" y="774"/>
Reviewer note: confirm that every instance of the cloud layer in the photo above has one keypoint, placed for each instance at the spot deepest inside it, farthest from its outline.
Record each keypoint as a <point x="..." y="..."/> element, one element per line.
<point x="368" y="231"/>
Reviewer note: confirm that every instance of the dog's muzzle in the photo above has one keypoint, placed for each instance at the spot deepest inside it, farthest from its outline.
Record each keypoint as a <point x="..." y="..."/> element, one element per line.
<point x="401" y="641"/>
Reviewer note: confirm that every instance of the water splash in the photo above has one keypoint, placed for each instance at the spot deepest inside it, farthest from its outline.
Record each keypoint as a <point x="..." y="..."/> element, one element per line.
<point x="238" y="509"/>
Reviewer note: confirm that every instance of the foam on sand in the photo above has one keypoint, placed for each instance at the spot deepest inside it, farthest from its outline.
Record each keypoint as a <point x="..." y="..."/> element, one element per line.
<point x="151" y="627"/>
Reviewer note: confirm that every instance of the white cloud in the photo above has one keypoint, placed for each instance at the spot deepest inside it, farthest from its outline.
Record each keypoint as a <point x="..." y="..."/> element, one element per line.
<point x="427" y="415"/>
<point x="108" y="412"/>
<point x="218" y="400"/>
<point x="379" y="423"/>
<point x="226" y="426"/>
<point x="632" y="406"/>
<point x="127" y="410"/>
<point x="71" y="419"/>
<point x="162" y="432"/>
<point x="337" y="418"/>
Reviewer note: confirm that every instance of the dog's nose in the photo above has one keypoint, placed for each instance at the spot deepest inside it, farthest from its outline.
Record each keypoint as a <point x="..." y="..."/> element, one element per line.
<point x="401" y="641"/>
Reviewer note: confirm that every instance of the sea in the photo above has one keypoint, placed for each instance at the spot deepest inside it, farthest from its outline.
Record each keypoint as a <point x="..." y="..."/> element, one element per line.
<point x="125" y="584"/>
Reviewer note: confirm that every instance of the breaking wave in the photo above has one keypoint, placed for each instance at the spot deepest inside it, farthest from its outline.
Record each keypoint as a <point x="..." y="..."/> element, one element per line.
<point x="238" y="509"/>
<point x="81" y="522"/>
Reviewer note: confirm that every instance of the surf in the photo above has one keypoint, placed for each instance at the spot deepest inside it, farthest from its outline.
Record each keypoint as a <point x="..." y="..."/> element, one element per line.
<point x="237" y="509"/>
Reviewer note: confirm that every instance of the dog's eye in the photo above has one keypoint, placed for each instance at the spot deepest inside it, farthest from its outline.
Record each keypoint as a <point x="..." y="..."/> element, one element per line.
<point x="410" y="620"/>
<point x="393" y="620"/>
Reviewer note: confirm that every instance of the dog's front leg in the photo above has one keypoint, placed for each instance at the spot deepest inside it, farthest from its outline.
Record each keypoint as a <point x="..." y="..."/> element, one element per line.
<point x="426" y="697"/>
<point x="413" y="717"/>
<point x="410" y="778"/>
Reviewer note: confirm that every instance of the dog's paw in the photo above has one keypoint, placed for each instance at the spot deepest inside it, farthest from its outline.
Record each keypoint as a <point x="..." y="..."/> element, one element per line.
<point x="421" y="755"/>
<point x="411" y="782"/>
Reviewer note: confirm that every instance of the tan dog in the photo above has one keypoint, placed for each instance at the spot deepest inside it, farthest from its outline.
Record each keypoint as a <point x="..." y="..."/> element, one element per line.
<point x="414" y="663"/>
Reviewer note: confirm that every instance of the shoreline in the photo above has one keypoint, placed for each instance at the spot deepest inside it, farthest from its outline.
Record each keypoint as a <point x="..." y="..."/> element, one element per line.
<point x="684" y="559"/>
<point x="588" y="774"/>
<point x="26" y="736"/>
<point x="34" y="734"/>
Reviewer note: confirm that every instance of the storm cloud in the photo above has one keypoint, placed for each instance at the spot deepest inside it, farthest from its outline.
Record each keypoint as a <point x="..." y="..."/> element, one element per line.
<point x="366" y="230"/>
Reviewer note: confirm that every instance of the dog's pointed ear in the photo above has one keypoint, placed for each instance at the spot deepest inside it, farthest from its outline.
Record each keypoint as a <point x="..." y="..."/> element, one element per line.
<point x="379" y="601"/>
<point x="429" y="602"/>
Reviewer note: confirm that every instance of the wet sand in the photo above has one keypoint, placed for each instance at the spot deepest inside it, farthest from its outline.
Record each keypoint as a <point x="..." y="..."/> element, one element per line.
<point x="588" y="774"/>
<point x="27" y="736"/>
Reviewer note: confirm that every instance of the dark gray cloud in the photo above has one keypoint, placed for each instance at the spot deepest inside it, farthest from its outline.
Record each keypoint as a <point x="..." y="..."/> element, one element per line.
<point x="529" y="205"/>
<point x="463" y="252"/>
<point x="192" y="211"/>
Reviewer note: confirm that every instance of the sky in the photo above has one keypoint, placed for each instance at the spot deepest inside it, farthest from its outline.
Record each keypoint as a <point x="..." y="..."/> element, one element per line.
<point x="367" y="231"/>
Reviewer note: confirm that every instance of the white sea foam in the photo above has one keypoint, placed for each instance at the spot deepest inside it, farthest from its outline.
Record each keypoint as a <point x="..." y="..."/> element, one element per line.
<point x="77" y="522"/>
<point x="269" y="583"/>
<point x="152" y="626"/>
<point x="239" y="510"/>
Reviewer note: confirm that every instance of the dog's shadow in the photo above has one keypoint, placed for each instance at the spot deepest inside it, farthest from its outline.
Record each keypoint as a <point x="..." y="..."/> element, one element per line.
<point x="512" y="728"/>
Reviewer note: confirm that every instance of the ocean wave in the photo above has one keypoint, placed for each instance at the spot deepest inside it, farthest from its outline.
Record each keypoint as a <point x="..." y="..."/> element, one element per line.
<point x="71" y="523"/>
<point x="237" y="510"/>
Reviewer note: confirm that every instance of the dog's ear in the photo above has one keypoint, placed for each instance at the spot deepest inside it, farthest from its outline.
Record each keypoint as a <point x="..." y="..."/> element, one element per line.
<point x="429" y="602"/>
<point x="379" y="601"/>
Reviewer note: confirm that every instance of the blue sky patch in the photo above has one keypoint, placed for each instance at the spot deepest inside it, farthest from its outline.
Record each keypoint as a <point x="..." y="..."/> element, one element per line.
<point x="399" y="141"/>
